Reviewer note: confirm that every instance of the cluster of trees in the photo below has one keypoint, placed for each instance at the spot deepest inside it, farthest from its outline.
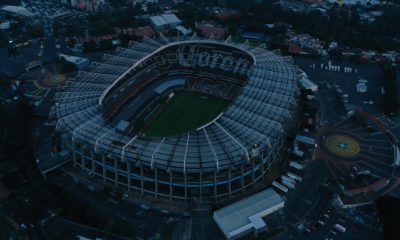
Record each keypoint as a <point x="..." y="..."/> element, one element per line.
<point x="33" y="31"/>
<point x="92" y="46"/>
<point x="117" y="3"/>
<point x="30" y="193"/>
<point x="87" y="214"/>
<point x="17" y="162"/>
<point x="390" y="101"/>
<point x="104" y="22"/>
<point x="344" y="26"/>
<point x="20" y="31"/>
<point x="101" y="22"/>
<point x="388" y="209"/>
<point x="74" y="27"/>
<point x="15" y="142"/>
<point x="341" y="24"/>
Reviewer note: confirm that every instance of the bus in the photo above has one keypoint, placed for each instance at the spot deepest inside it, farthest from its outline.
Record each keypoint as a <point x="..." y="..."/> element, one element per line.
<point x="280" y="186"/>
<point x="288" y="179"/>
<point x="340" y="227"/>
<point x="288" y="184"/>
<point x="294" y="176"/>
<point x="296" y="165"/>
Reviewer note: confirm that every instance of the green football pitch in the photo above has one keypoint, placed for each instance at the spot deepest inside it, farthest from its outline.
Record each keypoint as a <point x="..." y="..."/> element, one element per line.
<point x="185" y="112"/>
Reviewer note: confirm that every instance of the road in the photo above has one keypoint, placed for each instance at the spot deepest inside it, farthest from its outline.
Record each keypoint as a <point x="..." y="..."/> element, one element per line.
<point x="49" y="54"/>
<point x="57" y="226"/>
<point x="306" y="196"/>
<point x="45" y="51"/>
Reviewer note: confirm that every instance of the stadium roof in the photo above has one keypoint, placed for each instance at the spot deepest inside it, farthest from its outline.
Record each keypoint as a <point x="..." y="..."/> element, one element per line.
<point x="259" y="115"/>
<point x="18" y="10"/>
<point x="245" y="215"/>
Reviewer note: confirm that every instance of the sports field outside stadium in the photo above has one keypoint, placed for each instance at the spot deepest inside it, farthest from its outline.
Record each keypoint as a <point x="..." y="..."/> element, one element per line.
<point x="185" y="112"/>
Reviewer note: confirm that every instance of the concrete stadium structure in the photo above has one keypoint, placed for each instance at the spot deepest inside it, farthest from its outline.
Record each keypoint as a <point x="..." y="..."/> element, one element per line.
<point x="96" y="117"/>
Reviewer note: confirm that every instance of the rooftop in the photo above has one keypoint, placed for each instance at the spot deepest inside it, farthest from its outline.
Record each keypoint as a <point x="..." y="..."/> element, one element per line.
<point x="158" y="20"/>
<point x="246" y="214"/>
<point x="171" y="19"/>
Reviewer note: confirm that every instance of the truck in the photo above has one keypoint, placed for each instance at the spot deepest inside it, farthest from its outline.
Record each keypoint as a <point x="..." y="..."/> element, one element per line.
<point x="296" y="165"/>
<point x="280" y="186"/>
<point x="294" y="176"/>
<point x="288" y="184"/>
<point x="289" y="179"/>
<point x="340" y="227"/>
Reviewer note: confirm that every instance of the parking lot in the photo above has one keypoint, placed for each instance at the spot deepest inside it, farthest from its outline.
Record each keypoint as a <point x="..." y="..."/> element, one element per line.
<point x="51" y="9"/>
<point x="339" y="73"/>
<point x="306" y="197"/>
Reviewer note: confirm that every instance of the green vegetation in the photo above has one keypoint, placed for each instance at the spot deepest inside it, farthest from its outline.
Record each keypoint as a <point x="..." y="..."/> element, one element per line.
<point x="185" y="112"/>
<point x="387" y="207"/>
<point x="7" y="230"/>
<point x="340" y="24"/>
<point x="390" y="101"/>
<point x="271" y="233"/>
<point x="15" y="141"/>
<point x="31" y="196"/>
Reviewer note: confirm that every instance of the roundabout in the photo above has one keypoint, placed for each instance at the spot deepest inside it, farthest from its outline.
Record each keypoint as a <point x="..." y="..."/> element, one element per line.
<point x="51" y="80"/>
<point x="342" y="145"/>
<point x="359" y="154"/>
<point x="40" y="84"/>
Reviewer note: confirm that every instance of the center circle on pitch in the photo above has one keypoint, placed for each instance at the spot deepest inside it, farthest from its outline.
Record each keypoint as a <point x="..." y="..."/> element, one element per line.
<point x="342" y="145"/>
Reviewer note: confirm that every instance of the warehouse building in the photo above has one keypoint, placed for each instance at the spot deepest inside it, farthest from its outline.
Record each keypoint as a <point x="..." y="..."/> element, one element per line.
<point x="245" y="216"/>
<point x="165" y="22"/>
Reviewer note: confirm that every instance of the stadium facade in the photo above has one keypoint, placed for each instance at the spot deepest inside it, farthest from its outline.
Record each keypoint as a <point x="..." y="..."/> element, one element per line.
<point x="100" y="116"/>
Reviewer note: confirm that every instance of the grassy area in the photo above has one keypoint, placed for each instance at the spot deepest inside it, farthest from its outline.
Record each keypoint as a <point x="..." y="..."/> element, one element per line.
<point x="7" y="231"/>
<point x="185" y="112"/>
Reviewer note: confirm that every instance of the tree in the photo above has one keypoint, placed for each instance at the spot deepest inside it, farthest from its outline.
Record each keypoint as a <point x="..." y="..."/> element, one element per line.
<point x="389" y="212"/>
<point x="117" y="3"/>
<point x="89" y="46"/>
<point x="67" y="66"/>
<point x="390" y="102"/>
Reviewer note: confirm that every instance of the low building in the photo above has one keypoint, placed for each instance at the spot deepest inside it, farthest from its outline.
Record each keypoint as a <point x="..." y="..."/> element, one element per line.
<point x="253" y="36"/>
<point x="225" y="13"/>
<point x="5" y="25"/>
<point x="183" y="31"/>
<point x="245" y="216"/>
<point x="140" y="32"/>
<point x="306" y="83"/>
<point x="305" y="140"/>
<point x="79" y="62"/>
<point x="172" y="20"/>
<point x="210" y="29"/>
<point x="165" y="22"/>
<point x="306" y="42"/>
<point x="89" y="5"/>
<point x="158" y="23"/>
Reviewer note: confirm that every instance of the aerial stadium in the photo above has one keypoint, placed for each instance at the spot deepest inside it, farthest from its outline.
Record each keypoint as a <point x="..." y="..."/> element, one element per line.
<point x="179" y="119"/>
